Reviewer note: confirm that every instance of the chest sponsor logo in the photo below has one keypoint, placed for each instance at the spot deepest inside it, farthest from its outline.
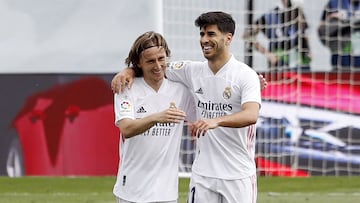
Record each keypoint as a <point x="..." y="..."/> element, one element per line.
<point x="160" y="130"/>
<point x="213" y="109"/>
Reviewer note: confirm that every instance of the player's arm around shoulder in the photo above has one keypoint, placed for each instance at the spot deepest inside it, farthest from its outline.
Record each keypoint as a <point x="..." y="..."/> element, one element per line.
<point x="183" y="71"/>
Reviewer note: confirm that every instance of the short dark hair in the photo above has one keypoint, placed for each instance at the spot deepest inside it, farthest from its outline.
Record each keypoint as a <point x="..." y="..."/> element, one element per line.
<point x="224" y="21"/>
<point x="143" y="42"/>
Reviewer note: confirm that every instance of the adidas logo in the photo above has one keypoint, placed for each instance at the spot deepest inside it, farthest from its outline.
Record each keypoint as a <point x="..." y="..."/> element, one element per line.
<point x="141" y="110"/>
<point x="199" y="91"/>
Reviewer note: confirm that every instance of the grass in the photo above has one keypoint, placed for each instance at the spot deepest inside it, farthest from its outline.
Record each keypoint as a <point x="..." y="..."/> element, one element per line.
<point x="56" y="189"/>
<point x="99" y="190"/>
<point x="309" y="190"/>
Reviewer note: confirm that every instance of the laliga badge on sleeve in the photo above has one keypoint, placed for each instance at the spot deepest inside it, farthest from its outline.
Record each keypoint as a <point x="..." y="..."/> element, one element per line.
<point x="125" y="106"/>
<point x="176" y="65"/>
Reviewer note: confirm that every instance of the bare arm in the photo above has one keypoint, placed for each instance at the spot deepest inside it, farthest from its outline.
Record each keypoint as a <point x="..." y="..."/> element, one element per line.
<point x="132" y="127"/>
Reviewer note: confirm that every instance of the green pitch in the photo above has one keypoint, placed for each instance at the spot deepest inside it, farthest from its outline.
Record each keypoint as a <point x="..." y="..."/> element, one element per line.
<point x="99" y="190"/>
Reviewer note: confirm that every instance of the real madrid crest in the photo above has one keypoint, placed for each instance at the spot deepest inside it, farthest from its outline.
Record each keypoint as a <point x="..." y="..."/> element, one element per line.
<point x="227" y="93"/>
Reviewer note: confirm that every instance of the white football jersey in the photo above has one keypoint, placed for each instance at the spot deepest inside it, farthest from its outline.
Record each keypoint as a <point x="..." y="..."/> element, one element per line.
<point x="148" y="168"/>
<point x="225" y="153"/>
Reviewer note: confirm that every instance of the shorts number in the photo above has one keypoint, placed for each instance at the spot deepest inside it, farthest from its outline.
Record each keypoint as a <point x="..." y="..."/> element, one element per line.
<point x="192" y="193"/>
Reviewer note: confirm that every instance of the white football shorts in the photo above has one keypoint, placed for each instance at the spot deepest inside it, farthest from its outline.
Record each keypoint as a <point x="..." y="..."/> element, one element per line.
<point x="212" y="190"/>
<point x="118" y="200"/>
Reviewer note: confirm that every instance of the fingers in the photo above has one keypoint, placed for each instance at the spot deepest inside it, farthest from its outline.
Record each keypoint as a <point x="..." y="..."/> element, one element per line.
<point x="129" y="83"/>
<point x="173" y="115"/>
<point x="122" y="85"/>
<point x="114" y="86"/>
<point x="263" y="82"/>
<point x="199" y="128"/>
<point x="196" y="132"/>
<point x="200" y="133"/>
<point x="118" y="85"/>
<point x="120" y="82"/>
<point x="176" y="114"/>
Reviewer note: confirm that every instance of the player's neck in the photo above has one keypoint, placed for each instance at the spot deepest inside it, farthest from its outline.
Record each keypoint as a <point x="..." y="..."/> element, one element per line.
<point x="217" y="63"/>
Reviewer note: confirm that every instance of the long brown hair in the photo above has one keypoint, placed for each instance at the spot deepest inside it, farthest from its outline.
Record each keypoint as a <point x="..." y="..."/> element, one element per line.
<point x="145" y="41"/>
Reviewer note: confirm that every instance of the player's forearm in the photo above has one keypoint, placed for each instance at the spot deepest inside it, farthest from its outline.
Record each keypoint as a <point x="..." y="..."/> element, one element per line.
<point x="131" y="128"/>
<point x="248" y="116"/>
<point x="237" y="120"/>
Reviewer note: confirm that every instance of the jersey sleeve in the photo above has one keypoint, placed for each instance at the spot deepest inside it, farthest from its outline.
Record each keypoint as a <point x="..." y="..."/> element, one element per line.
<point x="123" y="106"/>
<point x="179" y="71"/>
<point x="251" y="88"/>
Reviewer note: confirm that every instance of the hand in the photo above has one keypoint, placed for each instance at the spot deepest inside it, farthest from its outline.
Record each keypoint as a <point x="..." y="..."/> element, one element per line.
<point x="171" y="115"/>
<point x="200" y="127"/>
<point x="263" y="82"/>
<point x="123" y="79"/>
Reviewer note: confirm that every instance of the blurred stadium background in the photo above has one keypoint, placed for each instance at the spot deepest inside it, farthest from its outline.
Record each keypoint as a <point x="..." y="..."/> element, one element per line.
<point x="58" y="57"/>
<point x="56" y="117"/>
